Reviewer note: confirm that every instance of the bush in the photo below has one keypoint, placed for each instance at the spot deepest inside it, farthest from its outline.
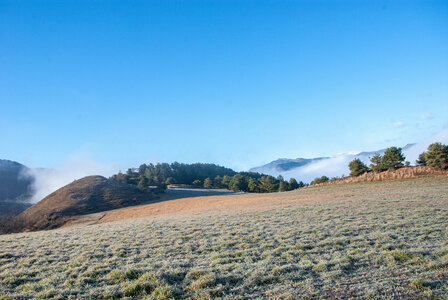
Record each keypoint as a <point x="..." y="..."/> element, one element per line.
<point x="320" y="180"/>
<point x="357" y="167"/>
<point x="207" y="183"/>
<point x="197" y="183"/>
<point x="436" y="157"/>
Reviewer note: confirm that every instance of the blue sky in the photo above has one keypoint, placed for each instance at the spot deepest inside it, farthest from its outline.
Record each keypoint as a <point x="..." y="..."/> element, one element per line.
<point x="238" y="83"/>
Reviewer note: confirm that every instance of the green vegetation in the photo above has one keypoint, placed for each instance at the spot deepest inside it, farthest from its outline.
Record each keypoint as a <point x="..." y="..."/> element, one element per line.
<point x="392" y="159"/>
<point x="318" y="180"/>
<point x="204" y="175"/>
<point x="376" y="164"/>
<point x="380" y="240"/>
<point x="436" y="157"/>
<point x="357" y="167"/>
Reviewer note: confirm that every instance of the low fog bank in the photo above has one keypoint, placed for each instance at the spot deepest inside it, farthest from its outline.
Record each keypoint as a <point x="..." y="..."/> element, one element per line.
<point x="46" y="181"/>
<point x="338" y="164"/>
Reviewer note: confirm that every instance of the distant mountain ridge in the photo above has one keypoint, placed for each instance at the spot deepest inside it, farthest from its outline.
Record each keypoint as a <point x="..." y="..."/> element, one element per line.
<point x="15" y="188"/>
<point x="306" y="169"/>
<point x="285" y="164"/>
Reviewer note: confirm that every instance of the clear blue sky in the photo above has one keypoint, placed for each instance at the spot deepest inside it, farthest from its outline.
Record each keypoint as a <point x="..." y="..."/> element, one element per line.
<point x="238" y="83"/>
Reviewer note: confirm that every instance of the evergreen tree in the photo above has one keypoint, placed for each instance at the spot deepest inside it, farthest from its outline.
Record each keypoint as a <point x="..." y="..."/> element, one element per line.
<point x="238" y="183"/>
<point x="170" y="180"/>
<point x="283" y="186"/>
<point x="217" y="182"/>
<point x="293" y="184"/>
<point x="376" y="163"/>
<point x="357" y="167"/>
<point x="393" y="159"/>
<point x="421" y="161"/>
<point x="437" y="156"/>
<point x="143" y="183"/>
<point x="268" y="184"/>
<point x="301" y="184"/>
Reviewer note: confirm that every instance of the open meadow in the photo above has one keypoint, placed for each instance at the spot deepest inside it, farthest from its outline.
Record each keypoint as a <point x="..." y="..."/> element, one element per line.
<point x="370" y="240"/>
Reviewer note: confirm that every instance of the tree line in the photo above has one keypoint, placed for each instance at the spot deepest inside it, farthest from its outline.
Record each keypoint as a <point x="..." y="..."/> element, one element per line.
<point x="435" y="157"/>
<point x="158" y="176"/>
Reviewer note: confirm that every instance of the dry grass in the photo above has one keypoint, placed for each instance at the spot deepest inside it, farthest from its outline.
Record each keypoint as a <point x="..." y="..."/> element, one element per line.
<point x="384" y="240"/>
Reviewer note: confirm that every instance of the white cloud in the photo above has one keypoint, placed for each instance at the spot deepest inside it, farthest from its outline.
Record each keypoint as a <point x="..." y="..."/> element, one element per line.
<point x="338" y="164"/>
<point x="399" y="124"/>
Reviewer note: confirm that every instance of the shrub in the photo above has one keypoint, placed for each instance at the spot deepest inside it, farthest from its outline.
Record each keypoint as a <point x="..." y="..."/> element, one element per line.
<point x="320" y="180"/>
<point x="357" y="167"/>
<point x="197" y="183"/>
<point x="207" y="183"/>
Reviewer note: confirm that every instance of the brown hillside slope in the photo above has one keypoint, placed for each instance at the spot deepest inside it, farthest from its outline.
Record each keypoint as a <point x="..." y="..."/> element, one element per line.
<point x="84" y="196"/>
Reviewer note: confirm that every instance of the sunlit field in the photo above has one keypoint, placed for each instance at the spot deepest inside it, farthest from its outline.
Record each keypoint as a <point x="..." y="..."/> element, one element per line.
<point x="383" y="239"/>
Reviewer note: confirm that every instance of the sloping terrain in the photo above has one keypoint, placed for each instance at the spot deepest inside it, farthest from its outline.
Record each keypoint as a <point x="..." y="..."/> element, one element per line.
<point x="15" y="188"/>
<point x="376" y="240"/>
<point x="87" y="195"/>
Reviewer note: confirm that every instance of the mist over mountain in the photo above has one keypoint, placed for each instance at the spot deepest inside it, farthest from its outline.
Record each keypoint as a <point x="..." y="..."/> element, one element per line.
<point x="15" y="188"/>
<point x="307" y="169"/>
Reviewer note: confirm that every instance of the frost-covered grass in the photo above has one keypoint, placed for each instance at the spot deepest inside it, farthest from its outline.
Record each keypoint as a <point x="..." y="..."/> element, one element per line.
<point x="373" y="244"/>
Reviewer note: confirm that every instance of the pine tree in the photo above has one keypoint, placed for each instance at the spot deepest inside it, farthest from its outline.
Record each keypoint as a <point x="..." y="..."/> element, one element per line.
<point x="392" y="159"/>
<point x="421" y="161"/>
<point x="376" y="163"/>
<point x="437" y="156"/>
<point x="293" y="184"/>
<point x="357" y="167"/>
<point x="283" y="186"/>
<point x="143" y="183"/>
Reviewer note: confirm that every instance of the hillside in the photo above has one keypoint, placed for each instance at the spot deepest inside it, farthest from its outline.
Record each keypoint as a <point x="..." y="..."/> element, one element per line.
<point x="87" y="195"/>
<point x="370" y="240"/>
<point x="15" y="188"/>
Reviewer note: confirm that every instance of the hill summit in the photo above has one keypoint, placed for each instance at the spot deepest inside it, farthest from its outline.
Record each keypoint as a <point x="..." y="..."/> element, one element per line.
<point x="84" y="196"/>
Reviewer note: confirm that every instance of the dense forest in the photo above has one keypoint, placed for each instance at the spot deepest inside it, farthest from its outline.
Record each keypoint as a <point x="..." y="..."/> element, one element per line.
<point x="158" y="176"/>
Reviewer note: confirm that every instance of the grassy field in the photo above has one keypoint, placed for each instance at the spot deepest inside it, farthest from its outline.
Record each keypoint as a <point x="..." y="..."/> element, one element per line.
<point x="373" y="240"/>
